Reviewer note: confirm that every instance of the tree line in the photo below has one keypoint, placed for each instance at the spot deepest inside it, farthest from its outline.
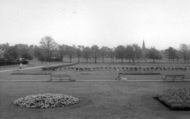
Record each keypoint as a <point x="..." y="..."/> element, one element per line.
<point x="49" y="50"/>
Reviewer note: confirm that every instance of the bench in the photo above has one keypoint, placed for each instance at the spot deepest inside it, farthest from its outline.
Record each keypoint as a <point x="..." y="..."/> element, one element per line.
<point x="61" y="77"/>
<point x="120" y="73"/>
<point x="174" y="77"/>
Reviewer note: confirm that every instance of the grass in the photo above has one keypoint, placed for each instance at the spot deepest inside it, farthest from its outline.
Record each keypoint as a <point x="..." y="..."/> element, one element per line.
<point x="99" y="100"/>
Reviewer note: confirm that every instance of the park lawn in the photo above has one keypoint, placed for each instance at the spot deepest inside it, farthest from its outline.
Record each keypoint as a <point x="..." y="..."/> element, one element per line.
<point x="32" y="63"/>
<point x="99" y="100"/>
<point x="144" y="77"/>
<point x="89" y="75"/>
<point x="86" y="75"/>
<point x="78" y="76"/>
<point x="104" y="98"/>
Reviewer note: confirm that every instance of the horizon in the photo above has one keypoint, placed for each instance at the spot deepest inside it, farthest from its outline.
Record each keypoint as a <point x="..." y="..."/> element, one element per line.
<point x="98" y="45"/>
<point x="161" y="24"/>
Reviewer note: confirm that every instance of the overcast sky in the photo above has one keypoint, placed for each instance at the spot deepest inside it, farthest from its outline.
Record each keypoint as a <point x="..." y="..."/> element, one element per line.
<point x="161" y="23"/>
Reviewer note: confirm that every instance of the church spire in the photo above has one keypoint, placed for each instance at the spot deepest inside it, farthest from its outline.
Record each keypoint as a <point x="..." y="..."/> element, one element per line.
<point x="143" y="46"/>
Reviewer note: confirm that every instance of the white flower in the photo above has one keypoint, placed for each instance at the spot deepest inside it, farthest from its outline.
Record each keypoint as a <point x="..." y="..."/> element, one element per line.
<point x="47" y="100"/>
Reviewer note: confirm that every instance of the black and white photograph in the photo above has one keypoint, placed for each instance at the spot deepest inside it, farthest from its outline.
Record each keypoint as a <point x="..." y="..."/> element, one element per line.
<point x="94" y="59"/>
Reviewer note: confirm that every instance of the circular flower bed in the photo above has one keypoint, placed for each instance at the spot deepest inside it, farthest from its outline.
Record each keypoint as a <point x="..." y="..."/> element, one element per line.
<point x="47" y="100"/>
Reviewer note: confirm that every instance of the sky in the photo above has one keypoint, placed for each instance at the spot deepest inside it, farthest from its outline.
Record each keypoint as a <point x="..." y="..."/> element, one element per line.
<point x="160" y="23"/>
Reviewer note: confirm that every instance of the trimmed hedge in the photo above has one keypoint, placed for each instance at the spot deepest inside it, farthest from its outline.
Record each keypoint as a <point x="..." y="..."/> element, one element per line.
<point x="53" y="68"/>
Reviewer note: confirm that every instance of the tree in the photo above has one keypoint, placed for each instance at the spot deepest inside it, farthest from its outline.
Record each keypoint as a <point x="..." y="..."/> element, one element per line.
<point x="48" y="44"/>
<point x="111" y="54"/>
<point x="154" y="54"/>
<point x="79" y="52"/>
<point x="23" y="51"/>
<point x="2" y="53"/>
<point x="62" y="51"/>
<point x="137" y="52"/>
<point x="129" y="53"/>
<point x="104" y="52"/>
<point x="55" y="55"/>
<point x="3" y="49"/>
<point x="184" y="51"/>
<point x="95" y="51"/>
<point x="86" y="53"/>
<point x="133" y="52"/>
<point x="171" y="54"/>
<point x="70" y="52"/>
<point x="120" y="52"/>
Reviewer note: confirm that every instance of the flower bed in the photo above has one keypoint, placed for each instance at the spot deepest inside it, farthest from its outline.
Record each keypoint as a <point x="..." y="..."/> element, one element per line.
<point x="47" y="100"/>
<point x="176" y="99"/>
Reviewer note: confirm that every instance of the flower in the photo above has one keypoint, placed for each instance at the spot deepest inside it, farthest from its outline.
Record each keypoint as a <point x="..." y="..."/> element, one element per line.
<point x="46" y="100"/>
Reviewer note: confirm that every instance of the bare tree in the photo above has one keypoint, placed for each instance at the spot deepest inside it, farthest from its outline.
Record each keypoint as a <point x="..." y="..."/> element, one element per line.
<point x="185" y="52"/>
<point x="95" y="51"/>
<point x="171" y="54"/>
<point x="48" y="44"/>
<point x="129" y="53"/>
<point x="86" y="53"/>
<point x="79" y="50"/>
<point x="137" y="52"/>
<point x="120" y="52"/>
<point x="154" y="54"/>
<point x="104" y="52"/>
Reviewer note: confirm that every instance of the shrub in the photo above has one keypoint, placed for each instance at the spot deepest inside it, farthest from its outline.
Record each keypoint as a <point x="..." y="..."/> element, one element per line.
<point x="24" y="62"/>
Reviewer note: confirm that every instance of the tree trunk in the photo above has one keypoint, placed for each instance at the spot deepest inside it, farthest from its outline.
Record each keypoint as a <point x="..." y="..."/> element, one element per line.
<point x="133" y="61"/>
<point x="121" y="60"/>
<point x="78" y="59"/>
<point x="62" y="59"/>
<point x="95" y="60"/>
<point x="154" y="61"/>
<point x="112" y="60"/>
<point x="70" y="59"/>
<point x="86" y="60"/>
<point x="177" y="60"/>
<point x="102" y="59"/>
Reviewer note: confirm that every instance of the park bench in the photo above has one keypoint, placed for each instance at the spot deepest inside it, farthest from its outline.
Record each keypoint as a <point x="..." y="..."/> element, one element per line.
<point x="120" y="74"/>
<point x="60" y="77"/>
<point x="123" y="73"/>
<point x="174" y="77"/>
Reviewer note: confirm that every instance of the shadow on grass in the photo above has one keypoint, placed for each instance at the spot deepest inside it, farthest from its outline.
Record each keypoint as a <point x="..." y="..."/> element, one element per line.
<point x="170" y="107"/>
